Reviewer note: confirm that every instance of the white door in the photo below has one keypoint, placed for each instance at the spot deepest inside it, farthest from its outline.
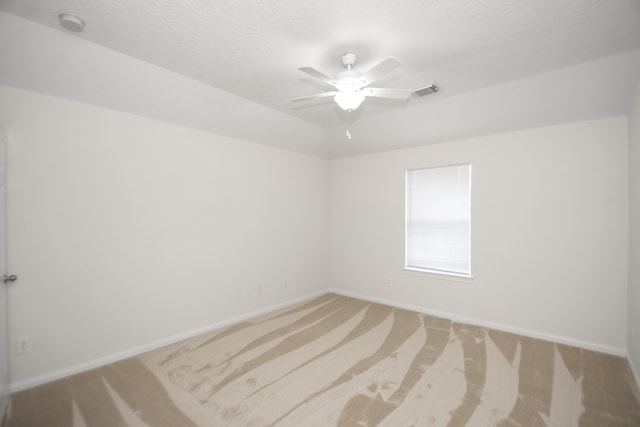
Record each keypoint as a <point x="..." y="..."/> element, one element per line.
<point x="4" y="343"/>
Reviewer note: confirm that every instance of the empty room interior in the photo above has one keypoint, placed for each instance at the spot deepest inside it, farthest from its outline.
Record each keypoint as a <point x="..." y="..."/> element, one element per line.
<point x="298" y="213"/>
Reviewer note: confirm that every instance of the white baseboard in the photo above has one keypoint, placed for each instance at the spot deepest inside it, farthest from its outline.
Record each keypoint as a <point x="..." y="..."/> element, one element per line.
<point x="498" y="326"/>
<point x="82" y="367"/>
<point x="56" y="375"/>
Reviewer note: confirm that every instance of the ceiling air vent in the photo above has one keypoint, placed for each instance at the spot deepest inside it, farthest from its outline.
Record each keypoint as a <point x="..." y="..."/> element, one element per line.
<point x="426" y="90"/>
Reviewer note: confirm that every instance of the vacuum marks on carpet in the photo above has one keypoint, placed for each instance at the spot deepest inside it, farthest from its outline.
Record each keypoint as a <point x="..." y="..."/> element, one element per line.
<point x="339" y="361"/>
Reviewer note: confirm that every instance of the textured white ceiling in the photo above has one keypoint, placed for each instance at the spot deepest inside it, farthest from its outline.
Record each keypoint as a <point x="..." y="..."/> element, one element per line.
<point x="252" y="48"/>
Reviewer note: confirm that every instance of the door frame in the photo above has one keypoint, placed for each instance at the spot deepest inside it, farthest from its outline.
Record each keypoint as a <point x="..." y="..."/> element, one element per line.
<point x="4" y="307"/>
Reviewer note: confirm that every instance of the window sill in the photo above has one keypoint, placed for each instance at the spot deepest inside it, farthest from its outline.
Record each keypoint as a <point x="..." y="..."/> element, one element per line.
<point x="438" y="275"/>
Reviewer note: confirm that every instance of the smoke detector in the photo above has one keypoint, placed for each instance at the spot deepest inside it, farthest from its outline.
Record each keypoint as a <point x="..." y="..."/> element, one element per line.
<point x="71" y="22"/>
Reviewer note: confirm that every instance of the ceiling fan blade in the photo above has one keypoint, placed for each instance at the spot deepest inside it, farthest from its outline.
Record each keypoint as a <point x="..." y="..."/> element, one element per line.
<point x="317" y="95"/>
<point x="318" y="75"/>
<point x="380" y="70"/>
<point x="387" y="93"/>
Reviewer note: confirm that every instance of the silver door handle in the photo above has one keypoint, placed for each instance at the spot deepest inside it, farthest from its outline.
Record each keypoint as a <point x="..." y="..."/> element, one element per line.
<point x="8" y="279"/>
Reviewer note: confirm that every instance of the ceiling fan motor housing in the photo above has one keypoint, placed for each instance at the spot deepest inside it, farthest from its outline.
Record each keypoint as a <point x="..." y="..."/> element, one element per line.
<point x="350" y="79"/>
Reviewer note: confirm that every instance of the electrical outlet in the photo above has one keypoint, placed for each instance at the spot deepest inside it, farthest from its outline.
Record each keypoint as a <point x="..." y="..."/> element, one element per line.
<point x="23" y="345"/>
<point x="285" y="283"/>
<point x="259" y="289"/>
<point x="389" y="282"/>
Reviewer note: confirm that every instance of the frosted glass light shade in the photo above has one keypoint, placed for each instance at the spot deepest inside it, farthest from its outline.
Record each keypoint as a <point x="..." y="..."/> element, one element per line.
<point x="349" y="100"/>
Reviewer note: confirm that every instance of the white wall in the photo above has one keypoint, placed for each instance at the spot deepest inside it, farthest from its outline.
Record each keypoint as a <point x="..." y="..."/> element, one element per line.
<point x="549" y="231"/>
<point x="124" y="230"/>
<point x="634" y="232"/>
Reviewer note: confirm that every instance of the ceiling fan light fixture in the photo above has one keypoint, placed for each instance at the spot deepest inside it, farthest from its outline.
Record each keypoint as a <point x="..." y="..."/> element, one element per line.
<point x="349" y="100"/>
<point x="352" y="86"/>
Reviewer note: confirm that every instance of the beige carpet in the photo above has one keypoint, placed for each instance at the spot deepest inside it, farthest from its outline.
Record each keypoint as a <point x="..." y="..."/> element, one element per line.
<point x="338" y="361"/>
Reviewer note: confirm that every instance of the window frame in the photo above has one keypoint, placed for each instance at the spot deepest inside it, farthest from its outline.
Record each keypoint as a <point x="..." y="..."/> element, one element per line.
<point x="426" y="272"/>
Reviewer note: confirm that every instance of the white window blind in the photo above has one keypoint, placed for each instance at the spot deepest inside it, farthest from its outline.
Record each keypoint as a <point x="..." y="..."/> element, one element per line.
<point x="438" y="222"/>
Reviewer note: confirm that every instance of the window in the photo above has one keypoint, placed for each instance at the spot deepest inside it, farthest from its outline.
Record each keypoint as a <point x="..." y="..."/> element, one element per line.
<point x="438" y="220"/>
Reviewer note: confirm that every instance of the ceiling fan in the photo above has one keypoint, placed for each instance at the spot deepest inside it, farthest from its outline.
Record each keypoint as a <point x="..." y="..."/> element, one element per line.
<point x="352" y="87"/>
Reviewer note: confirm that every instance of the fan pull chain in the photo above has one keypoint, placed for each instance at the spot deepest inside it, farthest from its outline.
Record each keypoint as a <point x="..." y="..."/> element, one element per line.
<point x="347" y="145"/>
